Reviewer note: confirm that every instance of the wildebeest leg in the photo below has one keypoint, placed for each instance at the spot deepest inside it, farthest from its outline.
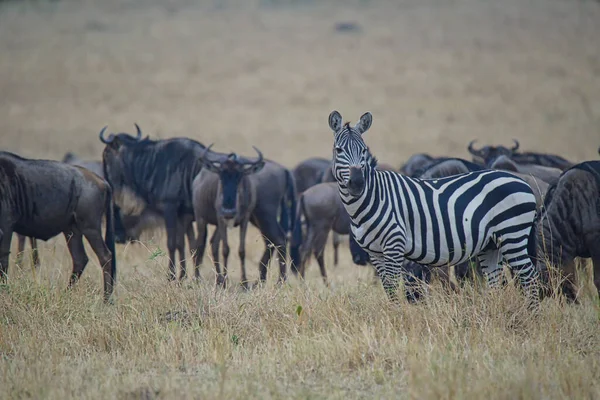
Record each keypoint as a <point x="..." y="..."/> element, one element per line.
<point x="593" y="243"/>
<point x="171" y="222"/>
<point x="276" y="238"/>
<point x="336" y="244"/>
<point x="200" y="246"/>
<point x="567" y="285"/>
<point x="5" y="238"/>
<point x="225" y="252"/>
<point x="320" y="239"/>
<point x="214" y="244"/>
<point x="20" y="249"/>
<point x="264" y="260"/>
<point x="306" y="248"/>
<point x="242" y="251"/>
<point x="182" y="230"/>
<point x="80" y="259"/>
<point x="93" y="234"/>
<point x="34" y="253"/>
<point x="443" y="274"/>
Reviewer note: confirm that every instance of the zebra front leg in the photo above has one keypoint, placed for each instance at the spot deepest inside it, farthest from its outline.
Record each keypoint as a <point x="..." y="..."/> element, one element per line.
<point x="390" y="269"/>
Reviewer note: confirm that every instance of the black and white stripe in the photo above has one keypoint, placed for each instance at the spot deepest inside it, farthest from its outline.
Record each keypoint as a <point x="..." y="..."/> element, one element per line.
<point x="486" y="214"/>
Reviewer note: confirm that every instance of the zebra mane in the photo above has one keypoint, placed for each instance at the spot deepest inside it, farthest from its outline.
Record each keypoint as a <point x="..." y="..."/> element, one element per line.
<point x="347" y="125"/>
<point x="372" y="159"/>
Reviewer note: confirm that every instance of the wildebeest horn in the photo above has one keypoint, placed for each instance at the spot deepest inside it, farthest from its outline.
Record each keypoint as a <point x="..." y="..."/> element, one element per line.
<point x="260" y="155"/>
<point x="472" y="150"/>
<point x="516" y="146"/>
<point x="110" y="139"/>
<point x="139" y="132"/>
<point x="205" y="152"/>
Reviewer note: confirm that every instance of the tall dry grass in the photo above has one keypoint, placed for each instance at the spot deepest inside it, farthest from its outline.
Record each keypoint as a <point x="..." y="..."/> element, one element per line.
<point x="300" y="340"/>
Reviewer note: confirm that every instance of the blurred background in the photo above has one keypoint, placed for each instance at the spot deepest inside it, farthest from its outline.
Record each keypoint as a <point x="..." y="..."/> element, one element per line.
<point x="435" y="74"/>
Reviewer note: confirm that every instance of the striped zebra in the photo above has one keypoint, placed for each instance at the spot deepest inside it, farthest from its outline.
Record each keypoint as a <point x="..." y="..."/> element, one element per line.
<point x="486" y="214"/>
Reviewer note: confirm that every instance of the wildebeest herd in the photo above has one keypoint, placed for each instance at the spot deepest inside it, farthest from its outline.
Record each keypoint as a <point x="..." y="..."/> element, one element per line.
<point x="524" y="209"/>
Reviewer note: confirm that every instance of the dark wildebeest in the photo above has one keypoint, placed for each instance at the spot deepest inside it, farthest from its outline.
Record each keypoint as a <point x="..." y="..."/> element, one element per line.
<point x="323" y="211"/>
<point x="488" y="154"/>
<point x="569" y="224"/>
<point x="547" y="174"/>
<point x="224" y="196"/>
<point x="42" y="198"/>
<point x="155" y="175"/>
<point x="272" y="191"/>
<point x="310" y="172"/>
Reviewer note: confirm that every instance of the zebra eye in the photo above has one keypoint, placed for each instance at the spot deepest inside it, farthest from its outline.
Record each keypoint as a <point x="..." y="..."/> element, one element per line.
<point x="338" y="150"/>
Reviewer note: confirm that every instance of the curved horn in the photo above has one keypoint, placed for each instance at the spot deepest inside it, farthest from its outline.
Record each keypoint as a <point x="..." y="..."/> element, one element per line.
<point x="206" y="150"/>
<point x="473" y="150"/>
<point x="139" y="132"/>
<point x="516" y="146"/>
<point x="110" y="139"/>
<point x="260" y="155"/>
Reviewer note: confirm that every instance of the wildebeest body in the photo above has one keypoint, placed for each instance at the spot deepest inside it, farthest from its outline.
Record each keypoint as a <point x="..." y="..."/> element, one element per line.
<point x="569" y="225"/>
<point x="42" y="198"/>
<point x="310" y="172"/>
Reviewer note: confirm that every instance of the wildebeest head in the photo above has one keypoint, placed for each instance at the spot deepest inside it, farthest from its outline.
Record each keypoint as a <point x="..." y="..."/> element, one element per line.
<point x="487" y="154"/>
<point x="116" y="173"/>
<point x="231" y="170"/>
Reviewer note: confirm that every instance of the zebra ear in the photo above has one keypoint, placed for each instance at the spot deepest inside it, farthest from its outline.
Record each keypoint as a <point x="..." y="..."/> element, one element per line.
<point x="365" y="123"/>
<point x="335" y="121"/>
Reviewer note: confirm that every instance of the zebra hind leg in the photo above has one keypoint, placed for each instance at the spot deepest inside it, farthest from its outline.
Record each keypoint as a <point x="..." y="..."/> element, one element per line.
<point x="491" y="264"/>
<point x="528" y="275"/>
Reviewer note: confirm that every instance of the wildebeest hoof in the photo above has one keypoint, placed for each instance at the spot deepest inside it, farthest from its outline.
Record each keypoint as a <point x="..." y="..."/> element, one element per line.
<point x="222" y="281"/>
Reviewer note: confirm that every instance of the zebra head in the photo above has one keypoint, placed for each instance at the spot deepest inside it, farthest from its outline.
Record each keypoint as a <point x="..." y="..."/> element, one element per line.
<point x="351" y="158"/>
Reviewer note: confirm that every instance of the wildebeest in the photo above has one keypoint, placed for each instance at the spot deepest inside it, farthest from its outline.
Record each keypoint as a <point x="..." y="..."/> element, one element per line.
<point x="155" y="175"/>
<point x="569" y="224"/>
<point x="261" y="193"/>
<point x="224" y="196"/>
<point x="323" y="211"/>
<point x="310" y="172"/>
<point x="42" y="198"/>
<point x="488" y="154"/>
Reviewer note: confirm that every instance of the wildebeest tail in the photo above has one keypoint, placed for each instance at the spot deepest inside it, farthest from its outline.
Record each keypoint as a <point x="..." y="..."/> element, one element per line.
<point x="292" y="228"/>
<point x="109" y="236"/>
<point x="297" y="235"/>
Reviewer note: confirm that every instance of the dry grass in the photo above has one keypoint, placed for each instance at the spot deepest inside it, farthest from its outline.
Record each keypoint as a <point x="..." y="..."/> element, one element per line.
<point x="243" y="73"/>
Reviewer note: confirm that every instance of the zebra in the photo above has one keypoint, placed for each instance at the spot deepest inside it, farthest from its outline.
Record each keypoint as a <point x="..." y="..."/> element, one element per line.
<point x="486" y="214"/>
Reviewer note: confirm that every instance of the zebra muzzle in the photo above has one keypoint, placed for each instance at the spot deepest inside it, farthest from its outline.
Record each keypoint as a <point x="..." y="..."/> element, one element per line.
<point x="356" y="181"/>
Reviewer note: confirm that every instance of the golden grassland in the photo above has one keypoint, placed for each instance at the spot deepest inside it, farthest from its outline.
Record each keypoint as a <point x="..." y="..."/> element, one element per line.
<point x="434" y="74"/>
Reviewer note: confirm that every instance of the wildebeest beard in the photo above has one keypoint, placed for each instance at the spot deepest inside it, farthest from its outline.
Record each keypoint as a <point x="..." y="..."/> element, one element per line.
<point x="129" y="202"/>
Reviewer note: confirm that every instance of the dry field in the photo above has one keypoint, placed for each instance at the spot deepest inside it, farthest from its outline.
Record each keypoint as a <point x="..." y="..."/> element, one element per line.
<point x="435" y="74"/>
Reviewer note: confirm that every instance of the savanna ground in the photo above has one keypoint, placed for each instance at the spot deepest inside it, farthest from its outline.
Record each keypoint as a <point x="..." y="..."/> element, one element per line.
<point x="434" y="74"/>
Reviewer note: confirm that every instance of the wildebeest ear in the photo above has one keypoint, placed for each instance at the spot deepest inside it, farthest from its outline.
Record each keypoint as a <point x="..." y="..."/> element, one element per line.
<point x="254" y="167"/>
<point x="335" y="121"/>
<point x="364" y="123"/>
